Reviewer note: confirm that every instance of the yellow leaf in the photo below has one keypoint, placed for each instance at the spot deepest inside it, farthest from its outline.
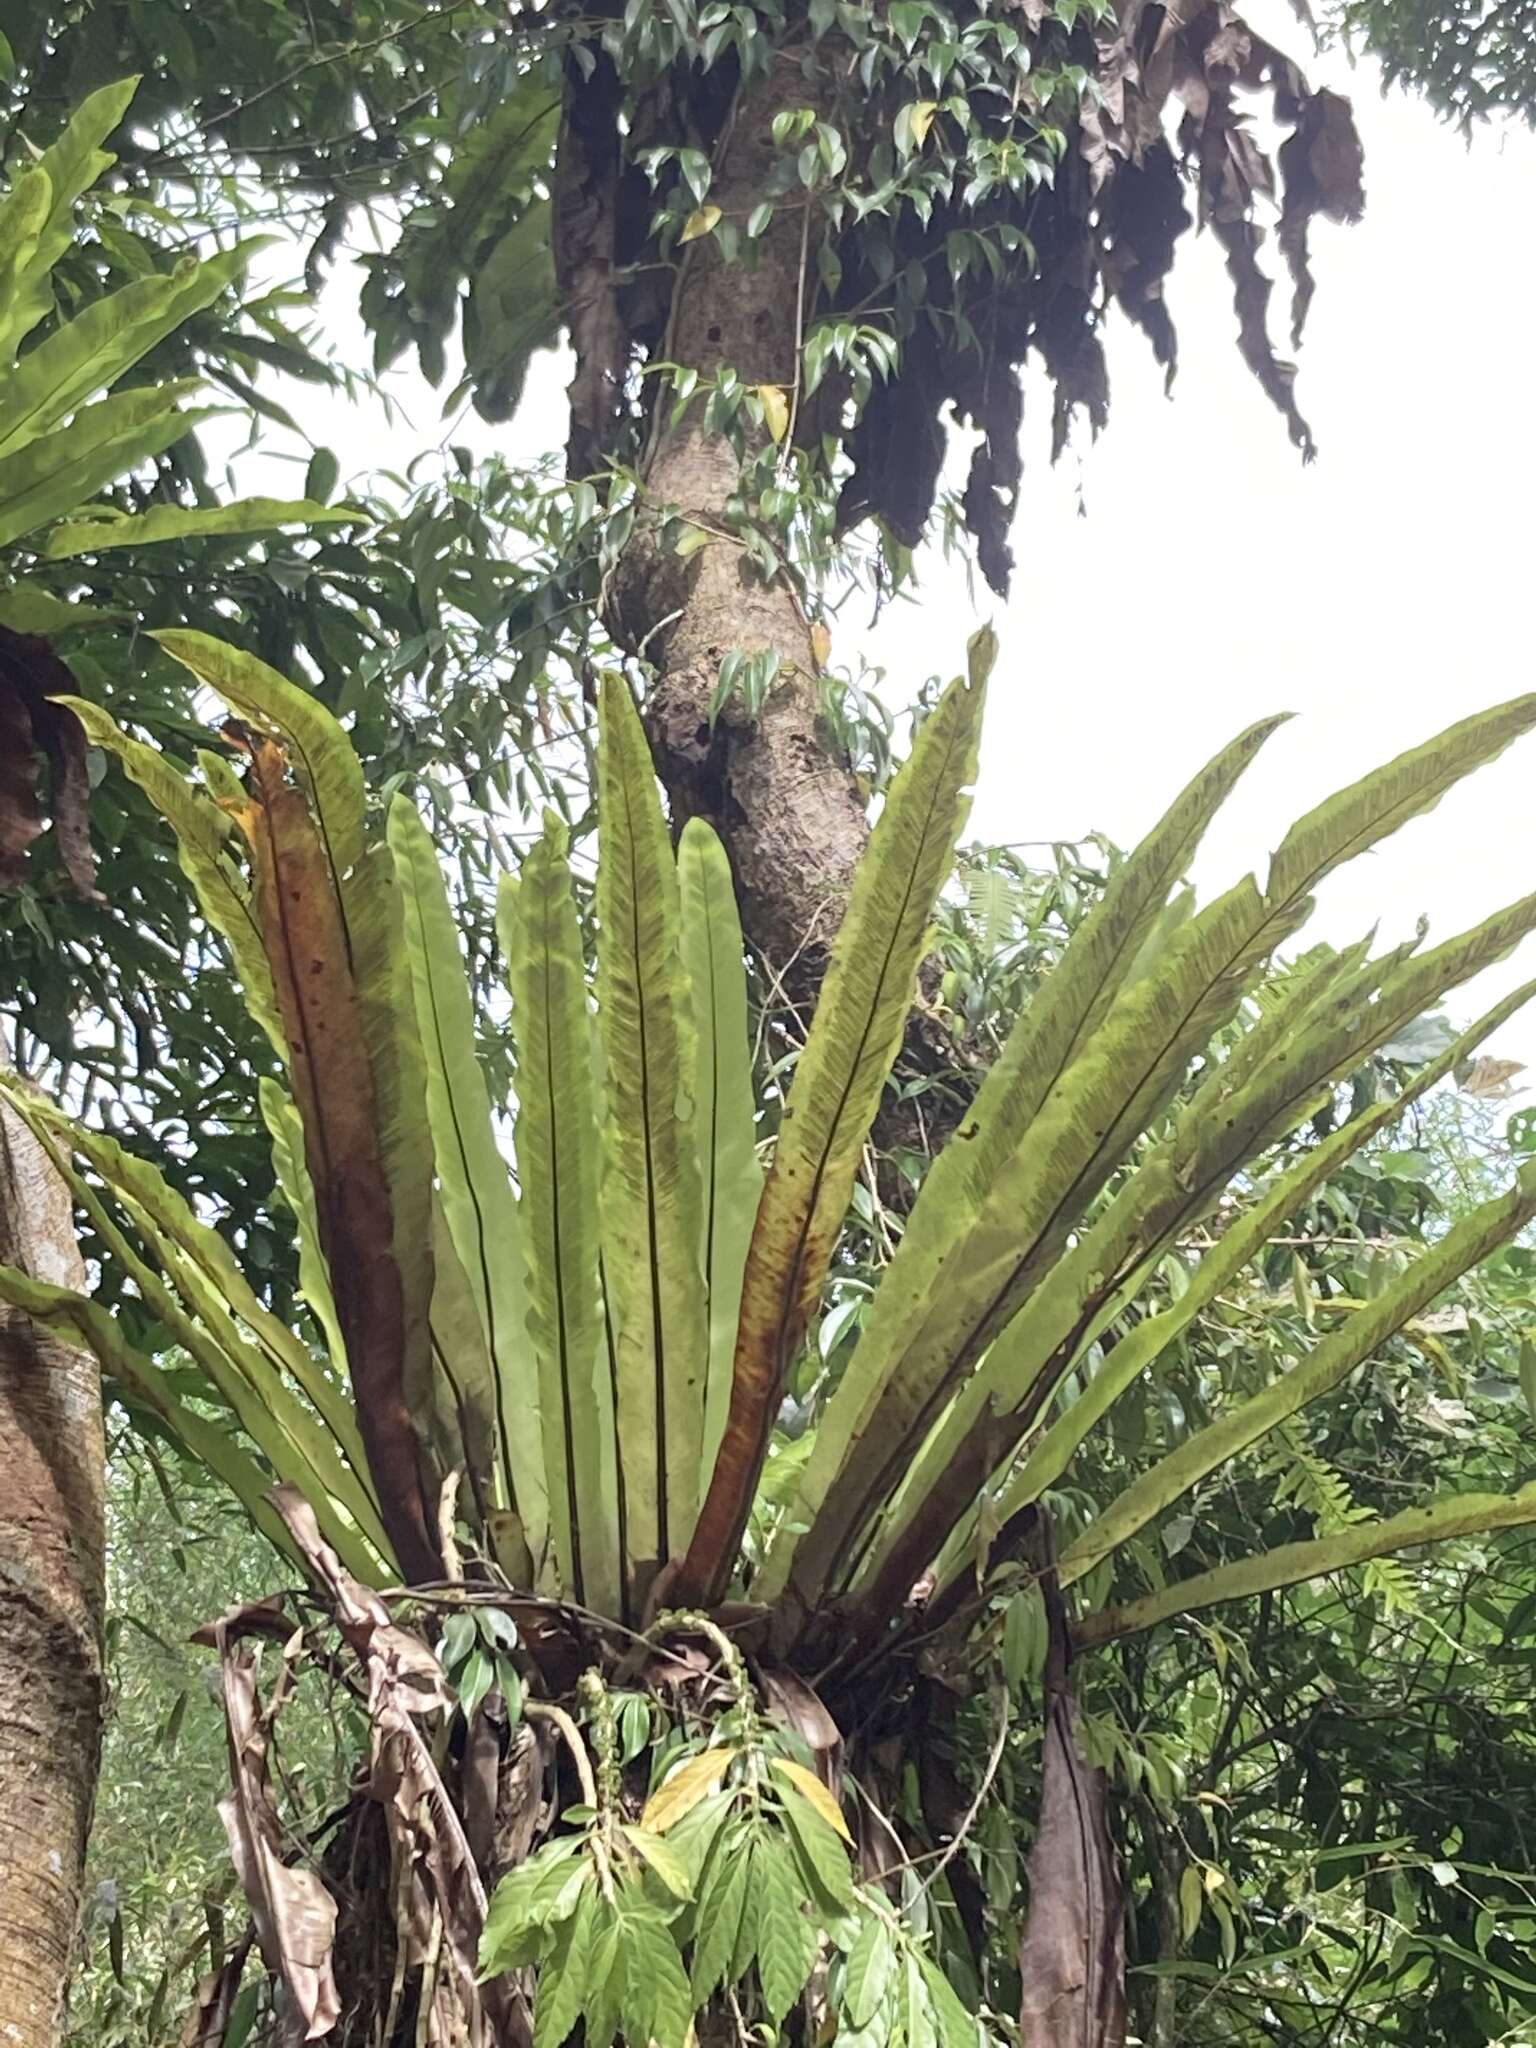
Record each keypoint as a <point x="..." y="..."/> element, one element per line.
<point x="681" y="1793"/>
<point x="923" y="112"/>
<point x="810" y="1787"/>
<point x="821" y="643"/>
<point x="699" y="222"/>
<point x="775" y="408"/>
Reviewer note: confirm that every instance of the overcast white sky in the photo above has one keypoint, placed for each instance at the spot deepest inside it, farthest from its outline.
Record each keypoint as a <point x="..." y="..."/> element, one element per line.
<point x="1380" y="593"/>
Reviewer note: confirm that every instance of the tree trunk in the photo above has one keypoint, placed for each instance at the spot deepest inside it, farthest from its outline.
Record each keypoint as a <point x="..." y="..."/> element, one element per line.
<point x="787" y="808"/>
<point x="51" y="1599"/>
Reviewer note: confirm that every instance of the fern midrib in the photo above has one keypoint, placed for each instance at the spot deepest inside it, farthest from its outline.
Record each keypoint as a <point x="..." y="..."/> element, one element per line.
<point x="557" y="1263"/>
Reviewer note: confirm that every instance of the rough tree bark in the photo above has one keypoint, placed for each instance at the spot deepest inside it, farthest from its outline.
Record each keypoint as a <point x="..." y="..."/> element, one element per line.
<point x="51" y="1600"/>
<point x="786" y="806"/>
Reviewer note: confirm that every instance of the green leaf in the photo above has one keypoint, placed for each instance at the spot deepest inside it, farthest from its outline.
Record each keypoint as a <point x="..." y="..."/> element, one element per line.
<point x="474" y="1185"/>
<point x="202" y="832"/>
<point x="786" y="1940"/>
<point x="177" y="522"/>
<point x="956" y="2027"/>
<point x="1329" y="1362"/>
<point x="652" y="1204"/>
<point x="663" y="1858"/>
<point x="1024" y="1637"/>
<point x="27" y="607"/>
<point x="869" y="1972"/>
<point x="210" y="1444"/>
<point x="605" y="1984"/>
<point x="752" y="1847"/>
<point x="1374" y="807"/>
<point x="1528" y="1374"/>
<point x="321" y="476"/>
<point x="199" y="1265"/>
<point x="820" y="1849"/>
<point x="297" y="1450"/>
<point x="558" y="1155"/>
<point x="1053" y="1028"/>
<point x="93" y="350"/>
<point x="562" y="1984"/>
<point x="721" y="1087"/>
<point x="841" y="1071"/>
<point x="658" y="2006"/>
<point x="49" y="476"/>
<point x="1017" y="1232"/>
<point x="537" y="1894"/>
<point x="281" y="1117"/>
<point x="75" y="159"/>
<point x="1289" y="1564"/>
<point x="1243" y="1241"/>
<point x="717" y="1921"/>
<point x="453" y="1401"/>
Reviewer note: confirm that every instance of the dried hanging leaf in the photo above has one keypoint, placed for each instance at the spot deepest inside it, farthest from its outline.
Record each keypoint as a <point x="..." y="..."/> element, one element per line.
<point x="1106" y="227"/>
<point x="213" y="2002"/>
<point x="293" y="1913"/>
<point x="436" y="1873"/>
<point x="1072" y="1951"/>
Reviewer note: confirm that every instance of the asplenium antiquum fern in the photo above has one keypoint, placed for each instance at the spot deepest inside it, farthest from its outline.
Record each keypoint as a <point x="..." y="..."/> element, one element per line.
<point x="548" y="1339"/>
<point x="595" y="1331"/>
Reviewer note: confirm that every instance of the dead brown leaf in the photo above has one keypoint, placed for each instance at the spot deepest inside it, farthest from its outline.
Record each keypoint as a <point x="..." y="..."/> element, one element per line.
<point x="1072" y="1950"/>
<point x="213" y="2002"/>
<point x="293" y="1913"/>
<point x="441" y="1895"/>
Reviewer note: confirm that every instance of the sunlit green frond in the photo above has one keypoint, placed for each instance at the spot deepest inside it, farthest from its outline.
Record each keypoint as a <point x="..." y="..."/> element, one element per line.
<point x="280" y="1115"/>
<point x="713" y="959"/>
<point x="836" y="1090"/>
<point x="294" y="1444"/>
<point x="920" y="1338"/>
<point x="104" y="530"/>
<point x="68" y="168"/>
<point x="1373" y="808"/>
<point x="1288" y="1564"/>
<point x="1329" y="1362"/>
<point x="104" y="340"/>
<point x="1139" y="1347"/>
<point x="203" y="834"/>
<point x="652" y="1205"/>
<point x="558" y="1163"/>
<point x="49" y="475"/>
<point x="474" y="1183"/>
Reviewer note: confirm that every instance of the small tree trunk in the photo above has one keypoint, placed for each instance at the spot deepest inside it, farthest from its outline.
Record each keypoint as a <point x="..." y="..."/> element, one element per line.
<point x="787" y="808"/>
<point x="51" y="1600"/>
